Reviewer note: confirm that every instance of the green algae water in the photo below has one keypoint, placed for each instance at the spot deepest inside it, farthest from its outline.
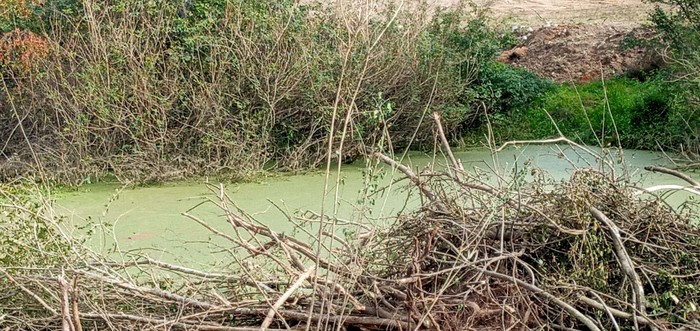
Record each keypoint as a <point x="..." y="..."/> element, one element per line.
<point x="149" y="220"/>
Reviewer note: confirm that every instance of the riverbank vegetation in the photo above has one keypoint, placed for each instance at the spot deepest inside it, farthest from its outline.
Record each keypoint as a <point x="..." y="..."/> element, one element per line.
<point x="154" y="90"/>
<point x="627" y="112"/>
<point x="162" y="90"/>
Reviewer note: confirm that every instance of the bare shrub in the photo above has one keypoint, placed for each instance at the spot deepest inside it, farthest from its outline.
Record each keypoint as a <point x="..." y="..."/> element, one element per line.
<point x="154" y="90"/>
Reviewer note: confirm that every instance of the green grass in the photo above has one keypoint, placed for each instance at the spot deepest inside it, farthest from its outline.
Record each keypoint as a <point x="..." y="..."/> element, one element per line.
<point x="625" y="111"/>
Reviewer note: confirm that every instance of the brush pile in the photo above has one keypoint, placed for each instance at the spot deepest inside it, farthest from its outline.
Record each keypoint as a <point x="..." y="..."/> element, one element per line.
<point x="590" y="252"/>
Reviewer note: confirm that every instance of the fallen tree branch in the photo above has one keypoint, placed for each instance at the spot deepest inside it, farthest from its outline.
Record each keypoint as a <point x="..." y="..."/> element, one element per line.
<point x="616" y="312"/>
<point x="675" y="173"/>
<point x="30" y="293"/>
<point x="172" y="324"/>
<point x="406" y="171"/>
<point x="457" y="164"/>
<point x="625" y="261"/>
<point x="74" y="302"/>
<point x="280" y="301"/>
<point x="153" y="291"/>
<point x="66" y="320"/>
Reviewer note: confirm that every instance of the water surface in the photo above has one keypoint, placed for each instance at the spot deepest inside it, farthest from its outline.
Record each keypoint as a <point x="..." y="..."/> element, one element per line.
<point x="150" y="220"/>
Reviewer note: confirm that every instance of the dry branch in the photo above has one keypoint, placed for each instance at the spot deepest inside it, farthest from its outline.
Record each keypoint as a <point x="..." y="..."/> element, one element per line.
<point x="274" y="309"/>
<point x="615" y="312"/>
<point x="675" y="173"/>
<point x="406" y="171"/>
<point x="457" y="164"/>
<point x="624" y="259"/>
<point x="589" y="323"/>
<point x="475" y="256"/>
<point x="66" y="320"/>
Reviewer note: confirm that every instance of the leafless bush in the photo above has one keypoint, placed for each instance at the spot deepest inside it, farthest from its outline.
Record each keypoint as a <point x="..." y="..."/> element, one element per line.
<point x="151" y="91"/>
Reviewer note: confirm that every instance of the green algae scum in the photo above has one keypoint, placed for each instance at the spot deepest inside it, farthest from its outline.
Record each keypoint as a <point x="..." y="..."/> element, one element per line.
<point x="149" y="220"/>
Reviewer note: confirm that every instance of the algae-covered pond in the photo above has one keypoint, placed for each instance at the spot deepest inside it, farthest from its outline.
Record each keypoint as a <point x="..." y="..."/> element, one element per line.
<point x="119" y="221"/>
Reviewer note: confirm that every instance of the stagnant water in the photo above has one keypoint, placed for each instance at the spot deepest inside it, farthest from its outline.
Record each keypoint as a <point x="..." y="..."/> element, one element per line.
<point x="149" y="220"/>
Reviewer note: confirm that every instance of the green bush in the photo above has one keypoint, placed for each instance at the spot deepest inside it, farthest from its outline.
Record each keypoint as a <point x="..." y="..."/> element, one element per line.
<point x="503" y="88"/>
<point x="632" y="113"/>
<point x="678" y="23"/>
<point x="29" y="231"/>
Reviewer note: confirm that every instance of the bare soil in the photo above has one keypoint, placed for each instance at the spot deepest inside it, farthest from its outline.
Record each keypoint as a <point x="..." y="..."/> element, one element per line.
<point x="574" y="40"/>
<point x="540" y="12"/>
<point x="581" y="52"/>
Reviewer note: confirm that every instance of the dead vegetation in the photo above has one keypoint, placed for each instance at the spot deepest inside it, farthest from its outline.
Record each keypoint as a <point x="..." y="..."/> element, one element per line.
<point x="591" y="252"/>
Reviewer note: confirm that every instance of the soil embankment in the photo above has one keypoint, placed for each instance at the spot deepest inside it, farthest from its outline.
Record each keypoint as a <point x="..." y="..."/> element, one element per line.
<point x="566" y="40"/>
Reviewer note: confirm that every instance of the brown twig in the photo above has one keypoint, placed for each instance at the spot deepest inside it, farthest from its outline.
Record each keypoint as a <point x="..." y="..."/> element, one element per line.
<point x="153" y="291"/>
<point x="77" y="326"/>
<point x="406" y="171"/>
<point x="173" y="324"/>
<point x="616" y="312"/>
<point x="30" y="293"/>
<point x="66" y="320"/>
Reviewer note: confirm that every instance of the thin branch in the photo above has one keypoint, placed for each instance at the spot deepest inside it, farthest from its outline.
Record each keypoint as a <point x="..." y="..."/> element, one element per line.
<point x="457" y="164"/>
<point x="30" y="293"/>
<point x="281" y="300"/>
<point x="406" y="171"/>
<point x="675" y="173"/>
<point x="617" y="313"/>
<point x="625" y="261"/>
<point x="66" y="320"/>
<point x="534" y="289"/>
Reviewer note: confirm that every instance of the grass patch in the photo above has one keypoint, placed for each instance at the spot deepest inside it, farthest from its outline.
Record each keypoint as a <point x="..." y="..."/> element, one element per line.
<point x="622" y="111"/>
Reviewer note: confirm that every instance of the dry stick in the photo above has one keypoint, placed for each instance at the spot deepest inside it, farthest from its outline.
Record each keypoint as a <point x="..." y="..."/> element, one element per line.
<point x="671" y="172"/>
<point x="385" y="323"/>
<point x="615" y="312"/>
<point x="406" y="171"/>
<point x="189" y="271"/>
<point x="542" y="141"/>
<point x="76" y="313"/>
<point x="29" y="292"/>
<point x="66" y="321"/>
<point x="153" y="291"/>
<point x="285" y="242"/>
<point x="173" y="324"/>
<point x="295" y="315"/>
<point x="457" y="164"/>
<point x="669" y="187"/>
<point x="532" y="288"/>
<point x="326" y="179"/>
<point x="208" y="275"/>
<point x="289" y="241"/>
<point x="282" y="299"/>
<point x="625" y="261"/>
<point x="608" y="311"/>
<point x="243" y="244"/>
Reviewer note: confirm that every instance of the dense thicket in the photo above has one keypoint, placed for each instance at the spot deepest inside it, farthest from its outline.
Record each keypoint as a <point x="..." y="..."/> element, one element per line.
<point x="160" y="88"/>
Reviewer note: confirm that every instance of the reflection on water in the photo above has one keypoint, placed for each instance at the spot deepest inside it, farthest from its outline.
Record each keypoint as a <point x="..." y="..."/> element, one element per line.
<point x="150" y="219"/>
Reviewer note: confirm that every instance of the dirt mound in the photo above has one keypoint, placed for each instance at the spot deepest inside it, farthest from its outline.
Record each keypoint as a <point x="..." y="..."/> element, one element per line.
<point x="579" y="52"/>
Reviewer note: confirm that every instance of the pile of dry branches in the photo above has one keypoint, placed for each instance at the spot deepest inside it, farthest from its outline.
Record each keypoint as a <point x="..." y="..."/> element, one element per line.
<point x="589" y="252"/>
